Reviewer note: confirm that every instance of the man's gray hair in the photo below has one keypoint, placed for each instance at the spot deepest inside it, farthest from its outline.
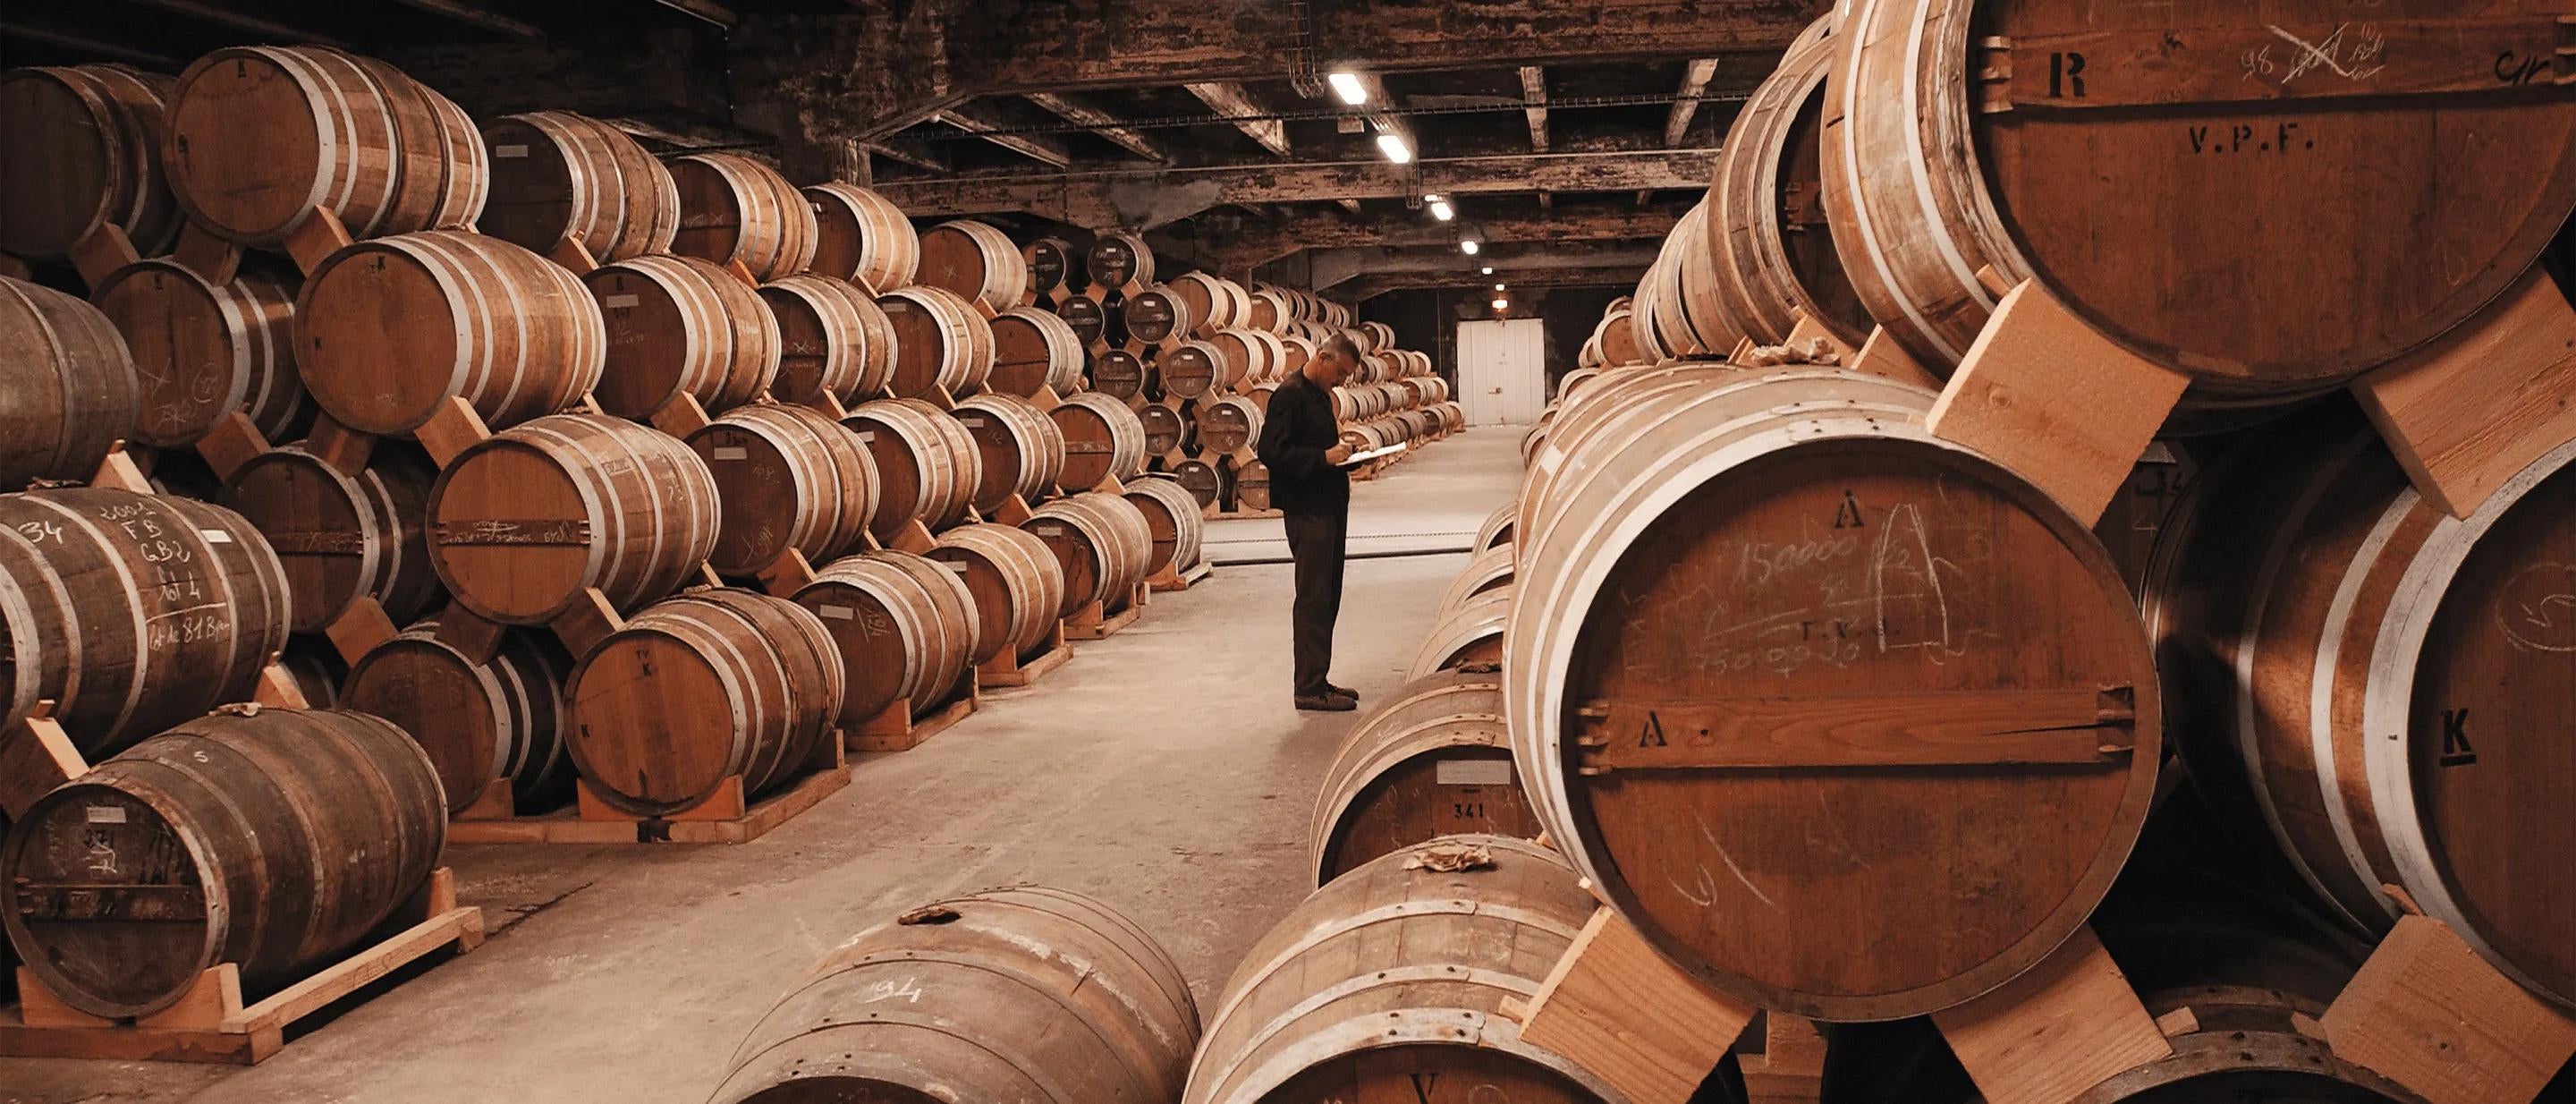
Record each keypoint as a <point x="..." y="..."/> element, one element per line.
<point x="1341" y="341"/>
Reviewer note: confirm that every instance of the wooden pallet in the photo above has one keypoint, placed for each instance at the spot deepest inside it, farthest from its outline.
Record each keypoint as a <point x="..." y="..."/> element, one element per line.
<point x="1093" y="622"/>
<point x="727" y="817"/>
<point x="211" y="1024"/>
<point x="1183" y="578"/>
<point x="898" y="729"/>
<point x="1008" y="669"/>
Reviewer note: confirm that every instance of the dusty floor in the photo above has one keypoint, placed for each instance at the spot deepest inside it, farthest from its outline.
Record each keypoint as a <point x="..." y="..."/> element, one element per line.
<point x="1162" y="770"/>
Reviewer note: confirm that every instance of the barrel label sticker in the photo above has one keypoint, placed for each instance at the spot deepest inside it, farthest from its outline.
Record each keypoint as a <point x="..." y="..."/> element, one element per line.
<point x="621" y="302"/>
<point x="215" y="536"/>
<point x="1472" y="772"/>
<point x="869" y="436"/>
<point x="972" y="423"/>
<point x="104" y="814"/>
<point x="1050" y="530"/>
<point x="732" y="452"/>
<point x="839" y="613"/>
<point x="954" y="566"/>
<point x="509" y="151"/>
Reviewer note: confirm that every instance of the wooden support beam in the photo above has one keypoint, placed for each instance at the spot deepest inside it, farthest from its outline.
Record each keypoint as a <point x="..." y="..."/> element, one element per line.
<point x="1695" y="77"/>
<point x="1328" y="268"/>
<point x="1229" y="99"/>
<point x="708" y="10"/>
<point x="982" y="124"/>
<point x="1102" y="123"/>
<point x="1573" y="222"/>
<point x="223" y="15"/>
<point x="1534" y="99"/>
<point x="1371" y="286"/>
<point x="917" y="156"/>
<point x="467" y="13"/>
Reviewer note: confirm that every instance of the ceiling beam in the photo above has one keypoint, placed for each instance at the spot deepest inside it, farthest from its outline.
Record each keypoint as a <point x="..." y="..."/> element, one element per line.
<point x="1695" y="78"/>
<point x="1101" y="122"/>
<point x="1595" y="221"/>
<point x="1370" y="287"/>
<point x="913" y="154"/>
<point x="467" y="13"/>
<point x="708" y="10"/>
<point x="225" y="16"/>
<point x="1228" y="99"/>
<point x="1534" y="97"/>
<point x="1327" y="268"/>
<point x="1036" y="147"/>
<point x="1145" y="199"/>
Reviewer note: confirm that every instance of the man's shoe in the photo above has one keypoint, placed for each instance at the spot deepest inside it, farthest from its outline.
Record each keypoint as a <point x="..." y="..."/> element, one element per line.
<point x="1344" y="691"/>
<point x="1327" y="703"/>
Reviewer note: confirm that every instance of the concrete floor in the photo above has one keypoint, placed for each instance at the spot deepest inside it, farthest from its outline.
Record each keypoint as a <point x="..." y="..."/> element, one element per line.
<point x="1162" y="771"/>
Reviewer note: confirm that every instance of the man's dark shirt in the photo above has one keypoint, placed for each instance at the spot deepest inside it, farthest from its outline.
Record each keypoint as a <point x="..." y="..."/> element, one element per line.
<point x="1296" y="431"/>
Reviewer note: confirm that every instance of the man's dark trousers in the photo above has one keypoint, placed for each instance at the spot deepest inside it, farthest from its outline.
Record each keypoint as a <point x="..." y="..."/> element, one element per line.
<point x="1316" y="542"/>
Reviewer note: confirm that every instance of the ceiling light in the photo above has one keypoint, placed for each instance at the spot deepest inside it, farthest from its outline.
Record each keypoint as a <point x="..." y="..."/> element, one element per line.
<point x="1441" y="210"/>
<point x="1346" y="84"/>
<point x="1502" y="304"/>
<point x="1469" y="246"/>
<point x="1394" y="148"/>
<point x="1489" y="270"/>
<point x="1497" y="287"/>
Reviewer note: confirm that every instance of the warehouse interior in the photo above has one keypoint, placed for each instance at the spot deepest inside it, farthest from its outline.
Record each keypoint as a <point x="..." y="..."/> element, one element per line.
<point x="1896" y="551"/>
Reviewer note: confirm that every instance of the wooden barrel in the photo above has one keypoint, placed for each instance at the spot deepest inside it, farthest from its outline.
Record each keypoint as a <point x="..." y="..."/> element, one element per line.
<point x="342" y="538"/>
<point x="682" y="326"/>
<point x="1490" y="570"/>
<point x="1084" y="314"/>
<point x="521" y="524"/>
<point x="1433" y="760"/>
<point x="976" y="261"/>
<point x="1982" y="604"/>
<point x="1471" y="633"/>
<point x="90" y="144"/>
<point x="1248" y="356"/>
<point x="2220" y="125"/>
<point x="1774" y="254"/>
<point x="1229" y="425"/>
<point x="1118" y="261"/>
<point x="1202" y="479"/>
<point x="906" y="627"/>
<point x="1017" y="586"/>
<point x="1397" y="975"/>
<point x="734" y="208"/>
<point x="1021" y="451"/>
<point x="67" y="388"/>
<point x="1034" y="350"/>
<point x="131" y="612"/>
<point x="1381" y="336"/>
<point x="202" y="351"/>
<point x="1103" y="439"/>
<point x="1165" y="428"/>
<point x="272" y="839"/>
<point x="1176" y="519"/>
<point x="940" y="341"/>
<point x="696" y="689"/>
<point x="2375" y="681"/>
<point x="1269" y="310"/>
<point x="1678" y="300"/>
<point x="558" y="177"/>
<point x="1251" y="483"/>
<point x="1102" y="541"/>
<point x="1023" y="994"/>
<point x="1050" y="266"/>
<point x="1295" y="352"/>
<point x="1211" y="303"/>
<point x="787" y="478"/>
<point x="1618" y="337"/>
<point x="833" y="340"/>
<point x="1153" y="315"/>
<point x="862" y="237"/>
<point x="1259" y="396"/>
<point x="928" y="465"/>
<point x="316" y="670"/>
<point x="1118" y="374"/>
<point x="482" y="724"/>
<point x="1192" y="369"/>
<point x="387" y="331"/>
<point x="261" y="137"/>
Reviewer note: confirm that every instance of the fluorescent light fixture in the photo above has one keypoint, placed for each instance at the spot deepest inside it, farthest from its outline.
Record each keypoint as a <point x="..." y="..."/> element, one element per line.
<point x="1394" y="148"/>
<point x="1497" y="287"/>
<point x="1502" y="304"/>
<point x="1346" y="84"/>
<point x="1489" y="270"/>
<point x="1469" y="246"/>
<point x="1441" y="210"/>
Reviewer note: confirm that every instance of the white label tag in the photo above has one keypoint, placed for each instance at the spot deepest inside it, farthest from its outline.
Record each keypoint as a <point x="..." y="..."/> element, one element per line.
<point x="818" y="208"/>
<point x="839" y="613"/>
<point x="972" y="423"/>
<point x="105" y="814"/>
<point x="868" y="436"/>
<point x="621" y="302"/>
<point x="1472" y="772"/>
<point x="732" y="452"/>
<point x="215" y="536"/>
<point x="509" y="151"/>
<point x="1048" y="530"/>
<point x="952" y="566"/>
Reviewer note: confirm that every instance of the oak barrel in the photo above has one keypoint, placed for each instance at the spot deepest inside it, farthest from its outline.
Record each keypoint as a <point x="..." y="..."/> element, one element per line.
<point x="1103" y="440"/>
<point x="833" y="340"/>
<point x="940" y="341"/>
<point x="1955" y="680"/>
<point x="1103" y="543"/>
<point x="2265" y="167"/>
<point x="273" y="839"/>
<point x="1165" y="427"/>
<point x="131" y="612"/>
<point x="1211" y="303"/>
<point x="1251" y="486"/>
<point x="1395" y="978"/>
<point x="787" y="478"/>
<point x="711" y="685"/>
<point x="1016" y="582"/>
<point x="1034" y="350"/>
<point x="1020" y="994"/>
<point x="68" y="390"/>
<point x="1773" y="250"/>
<point x="1433" y="760"/>
<point x="1176" y="519"/>
<point x="2381" y="685"/>
<point x="1469" y="633"/>
<point x="203" y="351"/>
<point x="1192" y="369"/>
<point x="862" y="237"/>
<point x="1118" y="261"/>
<point x="342" y="537"/>
<point x="1153" y="315"/>
<point x="479" y="723"/>
<point x="1488" y="571"/>
<point x="976" y="261"/>
<point x="734" y="208"/>
<point x="88" y="156"/>
<point x="316" y="669"/>
<point x="1201" y="478"/>
<point x="906" y="629"/>
<point x="1021" y="451"/>
<point x="1229" y="425"/>
<point x="558" y="177"/>
<point x="1118" y="374"/>
<point x="1084" y="315"/>
<point x="386" y="331"/>
<point x="521" y="524"/>
<point x="928" y="465"/>
<point x="1050" y="267"/>
<point x="681" y="326"/>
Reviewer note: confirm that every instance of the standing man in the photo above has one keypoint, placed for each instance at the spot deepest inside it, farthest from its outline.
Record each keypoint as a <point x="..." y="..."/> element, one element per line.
<point x="1301" y="443"/>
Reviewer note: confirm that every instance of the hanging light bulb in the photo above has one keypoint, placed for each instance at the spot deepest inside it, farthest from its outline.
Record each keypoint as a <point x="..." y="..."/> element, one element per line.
<point x="1469" y="246"/>
<point x="1502" y="304"/>
<point x="1441" y="210"/>
<point x="1489" y="270"/>
<point x="1347" y="85"/>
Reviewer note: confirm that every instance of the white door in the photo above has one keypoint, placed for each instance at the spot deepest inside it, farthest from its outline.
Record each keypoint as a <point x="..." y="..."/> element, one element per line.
<point x="1502" y="377"/>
